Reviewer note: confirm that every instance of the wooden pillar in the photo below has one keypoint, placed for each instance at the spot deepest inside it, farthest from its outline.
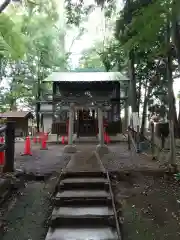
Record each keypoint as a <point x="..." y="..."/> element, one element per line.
<point x="100" y="126"/>
<point x="71" y="125"/>
<point x="54" y="101"/>
<point x="78" y="123"/>
<point x="10" y="147"/>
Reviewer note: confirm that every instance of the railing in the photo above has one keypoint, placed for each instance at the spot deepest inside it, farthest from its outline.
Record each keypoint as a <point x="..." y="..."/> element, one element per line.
<point x="141" y="143"/>
<point x="8" y="146"/>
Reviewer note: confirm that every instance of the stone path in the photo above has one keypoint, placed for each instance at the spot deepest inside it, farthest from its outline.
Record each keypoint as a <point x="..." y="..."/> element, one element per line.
<point x="85" y="161"/>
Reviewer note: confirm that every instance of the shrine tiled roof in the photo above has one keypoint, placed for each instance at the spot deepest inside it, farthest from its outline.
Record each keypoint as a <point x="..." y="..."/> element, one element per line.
<point x="84" y="76"/>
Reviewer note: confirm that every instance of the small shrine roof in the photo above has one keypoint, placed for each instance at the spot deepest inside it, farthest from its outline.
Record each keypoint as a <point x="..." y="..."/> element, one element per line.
<point x="16" y="114"/>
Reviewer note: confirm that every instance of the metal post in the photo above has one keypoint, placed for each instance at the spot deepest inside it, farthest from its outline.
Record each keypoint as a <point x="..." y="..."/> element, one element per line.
<point x="10" y="147"/>
<point x="118" y="96"/>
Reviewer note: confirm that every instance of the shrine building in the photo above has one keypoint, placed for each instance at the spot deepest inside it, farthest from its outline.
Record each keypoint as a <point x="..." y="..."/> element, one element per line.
<point x="81" y="102"/>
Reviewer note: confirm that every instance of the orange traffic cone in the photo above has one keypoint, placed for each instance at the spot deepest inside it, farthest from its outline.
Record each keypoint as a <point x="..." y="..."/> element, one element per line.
<point x="27" y="147"/>
<point x="44" y="143"/>
<point x="2" y="153"/>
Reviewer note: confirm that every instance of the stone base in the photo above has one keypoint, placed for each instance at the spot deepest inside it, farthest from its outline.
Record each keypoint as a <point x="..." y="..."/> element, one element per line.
<point x="70" y="149"/>
<point x="102" y="149"/>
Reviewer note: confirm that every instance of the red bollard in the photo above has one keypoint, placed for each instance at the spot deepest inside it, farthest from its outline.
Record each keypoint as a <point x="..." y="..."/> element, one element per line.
<point x="44" y="143"/>
<point x="27" y="147"/>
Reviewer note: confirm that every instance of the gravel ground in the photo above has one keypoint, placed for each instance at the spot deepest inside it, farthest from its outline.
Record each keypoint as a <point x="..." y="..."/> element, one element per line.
<point x="120" y="158"/>
<point x="49" y="160"/>
<point x="42" y="162"/>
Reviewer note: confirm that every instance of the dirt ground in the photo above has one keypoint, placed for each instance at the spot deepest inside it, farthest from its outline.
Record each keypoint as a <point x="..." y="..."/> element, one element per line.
<point x="150" y="207"/>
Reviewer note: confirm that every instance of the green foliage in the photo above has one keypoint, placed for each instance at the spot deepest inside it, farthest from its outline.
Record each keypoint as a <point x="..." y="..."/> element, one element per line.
<point x="36" y="38"/>
<point x="142" y="23"/>
<point x="12" y="42"/>
<point x="77" y="12"/>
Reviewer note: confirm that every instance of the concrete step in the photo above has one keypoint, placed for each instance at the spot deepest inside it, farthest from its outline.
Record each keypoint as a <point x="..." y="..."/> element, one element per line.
<point x="86" y="216"/>
<point x="61" y="202"/>
<point x="83" y="194"/>
<point x="81" y="212"/>
<point x="84" y="180"/>
<point x="101" y="233"/>
<point x="82" y="216"/>
<point x="83" y="174"/>
<point x="82" y="183"/>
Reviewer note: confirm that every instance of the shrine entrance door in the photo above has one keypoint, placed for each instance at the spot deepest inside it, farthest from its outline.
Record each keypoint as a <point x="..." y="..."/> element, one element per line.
<point x="87" y="123"/>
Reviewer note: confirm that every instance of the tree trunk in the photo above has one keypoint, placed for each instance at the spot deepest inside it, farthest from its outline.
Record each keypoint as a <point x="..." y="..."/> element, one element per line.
<point x="146" y="98"/>
<point x="144" y="114"/>
<point x="175" y="119"/>
<point x="179" y="119"/>
<point x="133" y="82"/>
<point x="38" y="98"/>
<point x="170" y="97"/>
<point x="139" y="95"/>
<point x="176" y="29"/>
